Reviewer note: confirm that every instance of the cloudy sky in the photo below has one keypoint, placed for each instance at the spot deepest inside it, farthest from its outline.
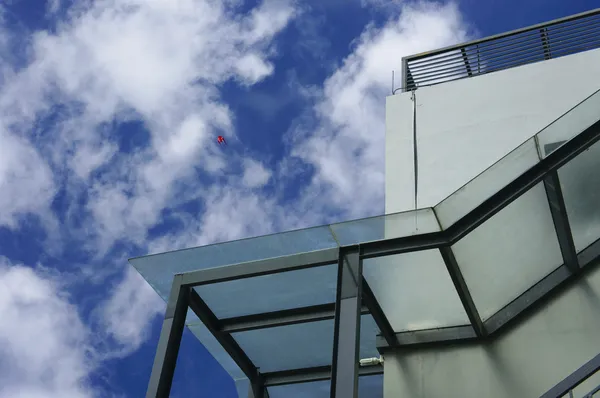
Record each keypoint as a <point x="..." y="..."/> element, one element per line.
<point x="109" y="113"/>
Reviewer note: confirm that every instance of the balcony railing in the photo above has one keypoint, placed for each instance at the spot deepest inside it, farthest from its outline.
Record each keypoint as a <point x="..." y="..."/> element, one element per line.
<point x="536" y="43"/>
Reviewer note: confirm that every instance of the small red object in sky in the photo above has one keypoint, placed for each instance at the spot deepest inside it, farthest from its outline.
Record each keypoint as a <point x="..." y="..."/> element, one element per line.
<point x="221" y="140"/>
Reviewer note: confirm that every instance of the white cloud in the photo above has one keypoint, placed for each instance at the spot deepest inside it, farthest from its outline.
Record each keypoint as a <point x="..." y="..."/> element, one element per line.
<point x="126" y="315"/>
<point x="255" y="174"/>
<point x="158" y="61"/>
<point x="162" y="61"/>
<point x="26" y="181"/>
<point x="347" y="148"/>
<point x="44" y="349"/>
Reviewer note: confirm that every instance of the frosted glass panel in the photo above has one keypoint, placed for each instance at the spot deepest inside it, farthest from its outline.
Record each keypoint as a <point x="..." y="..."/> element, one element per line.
<point x="510" y="252"/>
<point x="390" y="226"/>
<point x="415" y="290"/>
<point x="569" y="125"/>
<point x="580" y="182"/>
<point x="285" y="290"/>
<point x="158" y="269"/>
<point x="487" y="183"/>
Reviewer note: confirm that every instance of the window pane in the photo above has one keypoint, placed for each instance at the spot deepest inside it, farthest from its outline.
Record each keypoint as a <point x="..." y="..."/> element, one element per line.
<point x="316" y="389"/>
<point x="510" y="252"/>
<point x="285" y="290"/>
<point x="158" y="269"/>
<point x="368" y="387"/>
<point x="302" y="345"/>
<point x="580" y="182"/>
<point x="288" y="347"/>
<point x="216" y="350"/>
<point x="386" y="227"/>
<point x="415" y="290"/>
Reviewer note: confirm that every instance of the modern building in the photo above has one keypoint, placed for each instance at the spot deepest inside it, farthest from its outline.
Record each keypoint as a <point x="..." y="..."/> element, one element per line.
<point x="482" y="278"/>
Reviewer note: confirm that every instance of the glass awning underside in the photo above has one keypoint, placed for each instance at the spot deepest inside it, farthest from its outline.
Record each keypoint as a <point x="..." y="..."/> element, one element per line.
<point x="457" y="271"/>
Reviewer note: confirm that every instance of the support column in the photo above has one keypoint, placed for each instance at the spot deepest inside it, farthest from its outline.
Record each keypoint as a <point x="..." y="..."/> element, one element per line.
<point x="346" y="343"/>
<point x="165" y="359"/>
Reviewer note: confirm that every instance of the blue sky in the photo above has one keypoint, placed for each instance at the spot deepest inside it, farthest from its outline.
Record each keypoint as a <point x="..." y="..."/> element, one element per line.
<point x="109" y="113"/>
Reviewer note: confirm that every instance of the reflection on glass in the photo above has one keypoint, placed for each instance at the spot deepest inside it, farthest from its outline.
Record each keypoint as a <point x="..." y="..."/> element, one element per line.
<point x="285" y="290"/>
<point x="500" y="174"/>
<point x="482" y="187"/>
<point x="580" y="183"/>
<point x="216" y="350"/>
<point x="415" y="290"/>
<point x="569" y="125"/>
<point x="390" y="226"/>
<point x="510" y="252"/>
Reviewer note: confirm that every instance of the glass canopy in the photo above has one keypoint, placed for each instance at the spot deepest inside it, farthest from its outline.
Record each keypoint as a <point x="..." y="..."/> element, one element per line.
<point x="457" y="271"/>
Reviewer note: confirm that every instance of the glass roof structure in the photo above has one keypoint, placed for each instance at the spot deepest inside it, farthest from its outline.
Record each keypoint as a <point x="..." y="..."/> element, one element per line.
<point x="272" y="309"/>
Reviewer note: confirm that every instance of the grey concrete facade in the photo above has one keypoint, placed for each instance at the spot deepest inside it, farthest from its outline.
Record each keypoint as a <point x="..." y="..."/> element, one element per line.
<point x="523" y="361"/>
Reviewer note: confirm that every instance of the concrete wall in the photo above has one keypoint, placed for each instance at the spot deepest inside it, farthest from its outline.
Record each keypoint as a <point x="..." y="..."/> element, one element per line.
<point x="522" y="362"/>
<point x="465" y="126"/>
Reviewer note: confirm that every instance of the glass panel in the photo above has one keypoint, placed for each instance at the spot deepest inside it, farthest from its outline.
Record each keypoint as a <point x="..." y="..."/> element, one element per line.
<point x="415" y="290"/>
<point x="390" y="226"/>
<point x="216" y="350"/>
<point x="580" y="182"/>
<point x="158" y="269"/>
<point x="476" y="191"/>
<point x="315" y="389"/>
<point x="368" y="337"/>
<point x="510" y="252"/>
<point x="482" y="187"/>
<point x="302" y="345"/>
<point x="285" y="290"/>
<point x="288" y="347"/>
<point x="368" y="387"/>
<point x="569" y="125"/>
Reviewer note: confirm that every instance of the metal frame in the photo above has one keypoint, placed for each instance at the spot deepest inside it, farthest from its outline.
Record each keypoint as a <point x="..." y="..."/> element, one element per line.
<point x="531" y="44"/>
<point x="355" y="297"/>
<point x="574" y="379"/>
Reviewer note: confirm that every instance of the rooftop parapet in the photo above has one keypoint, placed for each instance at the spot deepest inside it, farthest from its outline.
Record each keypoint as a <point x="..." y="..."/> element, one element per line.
<point x="548" y="40"/>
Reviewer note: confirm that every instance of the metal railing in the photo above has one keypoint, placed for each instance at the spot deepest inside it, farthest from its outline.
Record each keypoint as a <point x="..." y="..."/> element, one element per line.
<point x="536" y="43"/>
<point x="565" y="387"/>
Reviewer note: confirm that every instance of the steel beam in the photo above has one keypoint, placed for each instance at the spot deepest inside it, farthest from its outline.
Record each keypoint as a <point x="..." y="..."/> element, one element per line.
<point x="346" y="336"/>
<point x="292" y="316"/>
<point x="574" y="379"/>
<point x="261" y="267"/>
<point x="561" y="221"/>
<point x="165" y="358"/>
<point x="429" y="336"/>
<point x="387" y="331"/>
<point x="227" y="342"/>
<point x="308" y="375"/>
<point x="527" y="299"/>
<point x="525" y="182"/>
<point x="590" y="254"/>
<point x="463" y="291"/>
<point x="405" y="244"/>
